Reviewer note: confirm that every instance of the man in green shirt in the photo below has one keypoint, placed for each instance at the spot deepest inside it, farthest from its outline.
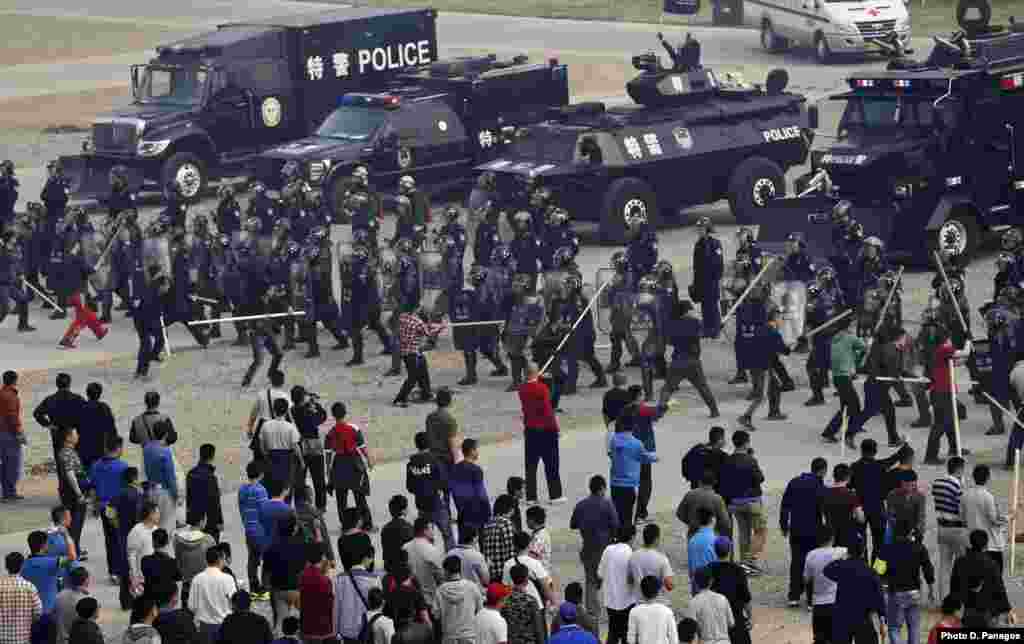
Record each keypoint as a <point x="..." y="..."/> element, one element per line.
<point x="848" y="353"/>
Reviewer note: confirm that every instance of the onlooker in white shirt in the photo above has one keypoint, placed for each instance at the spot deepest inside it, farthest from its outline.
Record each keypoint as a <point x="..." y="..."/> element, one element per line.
<point x="210" y="596"/>
<point x="619" y="594"/>
<point x="648" y="560"/>
<point x="651" y="622"/>
<point x="824" y="597"/>
<point x="139" y="544"/>
<point x="538" y="573"/>
<point x="711" y="610"/>
<point x="262" y="407"/>
<point x="491" y="627"/>
<point x="982" y="513"/>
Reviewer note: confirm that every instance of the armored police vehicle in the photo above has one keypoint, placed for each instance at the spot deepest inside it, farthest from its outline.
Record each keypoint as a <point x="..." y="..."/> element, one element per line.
<point x="434" y="124"/>
<point x="927" y="152"/>
<point x="691" y="138"/>
<point x="206" y="105"/>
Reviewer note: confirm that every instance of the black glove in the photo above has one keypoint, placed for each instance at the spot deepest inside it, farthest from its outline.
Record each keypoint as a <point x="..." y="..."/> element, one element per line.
<point x="692" y="291"/>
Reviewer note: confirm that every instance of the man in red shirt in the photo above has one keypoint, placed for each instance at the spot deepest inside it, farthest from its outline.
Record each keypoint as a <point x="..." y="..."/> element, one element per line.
<point x="12" y="437"/>
<point x="540" y="436"/>
<point x="351" y="463"/>
<point x="316" y="597"/>
<point x="941" y="397"/>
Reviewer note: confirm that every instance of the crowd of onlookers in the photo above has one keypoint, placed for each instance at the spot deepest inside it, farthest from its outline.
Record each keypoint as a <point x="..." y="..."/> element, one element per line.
<point x="483" y="575"/>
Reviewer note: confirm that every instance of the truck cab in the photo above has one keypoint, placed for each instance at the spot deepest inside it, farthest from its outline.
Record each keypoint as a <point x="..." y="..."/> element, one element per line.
<point x="434" y="125"/>
<point x="830" y="27"/>
<point x="206" y="105"/>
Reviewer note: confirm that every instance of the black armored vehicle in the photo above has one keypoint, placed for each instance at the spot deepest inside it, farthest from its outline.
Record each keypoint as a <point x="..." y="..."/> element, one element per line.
<point x="205" y="106"/>
<point x="434" y="124"/>
<point x="690" y="138"/>
<point x="927" y="152"/>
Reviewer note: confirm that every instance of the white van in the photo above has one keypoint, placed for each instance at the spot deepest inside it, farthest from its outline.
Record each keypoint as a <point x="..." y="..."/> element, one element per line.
<point x="831" y="27"/>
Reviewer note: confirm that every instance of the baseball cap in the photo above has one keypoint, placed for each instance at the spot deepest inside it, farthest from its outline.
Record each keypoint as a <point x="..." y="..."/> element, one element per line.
<point x="567" y="611"/>
<point x="497" y="592"/>
<point x="724" y="542"/>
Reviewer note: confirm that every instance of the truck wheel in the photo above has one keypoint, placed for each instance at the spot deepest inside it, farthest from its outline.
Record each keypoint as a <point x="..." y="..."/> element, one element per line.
<point x="624" y="196"/>
<point x="754" y="183"/>
<point x="769" y="41"/>
<point x="189" y="171"/>
<point x="961" y="233"/>
<point x="821" y="50"/>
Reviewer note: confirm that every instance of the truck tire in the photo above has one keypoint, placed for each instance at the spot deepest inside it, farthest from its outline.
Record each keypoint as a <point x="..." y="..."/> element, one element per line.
<point x="961" y="232"/>
<point x="769" y="40"/>
<point x="189" y="171"/>
<point x="623" y="196"/>
<point x="754" y="183"/>
<point x="822" y="52"/>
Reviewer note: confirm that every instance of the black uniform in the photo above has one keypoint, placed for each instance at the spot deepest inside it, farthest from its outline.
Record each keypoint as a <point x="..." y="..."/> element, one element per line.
<point x="146" y="311"/>
<point x="581" y="345"/>
<point x="261" y="335"/>
<point x="526" y="249"/>
<point x="622" y="296"/>
<point x="280" y="292"/>
<point x="558" y="237"/>
<point x="320" y="305"/>
<point x="487" y="239"/>
<point x="708" y="266"/>
<point x="262" y="207"/>
<point x="475" y="305"/>
<point x="642" y="251"/>
<point x="362" y="306"/>
<point x="229" y="216"/>
<point x="12" y="289"/>
<point x="55" y="199"/>
<point x="8" y="198"/>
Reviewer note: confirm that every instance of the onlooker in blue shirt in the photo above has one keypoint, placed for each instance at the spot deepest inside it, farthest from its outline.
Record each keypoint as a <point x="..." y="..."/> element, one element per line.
<point x="627" y="454"/>
<point x="107" y="474"/>
<point x="59" y="542"/>
<point x="801" y="516"/>
<point x="158" y="464"/>
<point x="700" y="550"/>
<point x="273" y="511"/>
<point x="251" y="497"/>
<point x="571" y="632"/>
<point x="466" y="483"/>
<point x="42" y="569"/>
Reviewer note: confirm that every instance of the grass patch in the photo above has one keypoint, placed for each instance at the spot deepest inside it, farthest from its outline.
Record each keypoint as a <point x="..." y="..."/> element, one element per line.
<point x="44" y="39"/>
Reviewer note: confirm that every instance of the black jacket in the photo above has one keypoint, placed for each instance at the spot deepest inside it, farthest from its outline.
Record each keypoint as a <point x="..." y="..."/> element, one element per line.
<point x="308" y="419"/>
<point x="740" y="477"/>
<point x="176" y="627"/>
<point x="245" y="628"/>
<point x="868" y="480"/>
<point x="702" y="457"/>
<point x="395" y="534"/>
<point x="61" y="409"/>
<point x="414" y="633"/>
<point x="425" y="479"/>
<point x="96" y="429"/>
<point x="141" y="430"/>
<point x="161" y="575"/>
<point x="85" y="631"/>
<point x="202" y="498"/>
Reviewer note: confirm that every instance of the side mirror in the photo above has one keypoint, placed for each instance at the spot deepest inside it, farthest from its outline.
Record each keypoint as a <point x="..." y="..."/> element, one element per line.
<point x="813" y="117"/>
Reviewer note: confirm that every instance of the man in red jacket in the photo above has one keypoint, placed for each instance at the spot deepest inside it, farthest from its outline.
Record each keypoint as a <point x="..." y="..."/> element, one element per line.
<point x="540" y="435"/>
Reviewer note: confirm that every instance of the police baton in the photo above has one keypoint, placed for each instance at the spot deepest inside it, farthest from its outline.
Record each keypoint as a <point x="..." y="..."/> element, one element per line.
<point x="885" y="309"/>
<point x="949" y="289"/>
<point x="246" y="318"/>
<point x="818" y="329"/>
<point x="204" y="300"/>
<point x="42" y="295"/>
<point x="752" y="284"/>
<point x="561" y="344"/>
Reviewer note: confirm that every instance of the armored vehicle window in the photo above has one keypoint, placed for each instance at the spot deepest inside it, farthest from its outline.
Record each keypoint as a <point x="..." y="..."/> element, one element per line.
<point x="877" y="112"/>
<point x="263" y="75"/>
<point x="172" y="85"/>
<point x="545" y="144"/>
<point x="352" y="123"/>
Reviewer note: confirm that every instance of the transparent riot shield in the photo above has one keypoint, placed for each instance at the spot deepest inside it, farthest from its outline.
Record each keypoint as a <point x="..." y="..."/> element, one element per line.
<point x="553" y="287"/>
<point x="791" y="298"/>
<point x="156" y="252"/>
<point x="534" y="314"/>
<point x="386" y="275"/>
<point x="344" y="255"/>
<point x="93" y="246"/>
<point x="298" y="276"/>
<point x="339" y="234"/>
<point x="603" y="306"/>
<point x="432" y="282"/>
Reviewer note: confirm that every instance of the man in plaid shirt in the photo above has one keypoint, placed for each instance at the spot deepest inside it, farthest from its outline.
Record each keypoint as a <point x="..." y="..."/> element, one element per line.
<point x="20" y="605"/>
<point x="412" y="331"/>
<point x="497" y="539"/>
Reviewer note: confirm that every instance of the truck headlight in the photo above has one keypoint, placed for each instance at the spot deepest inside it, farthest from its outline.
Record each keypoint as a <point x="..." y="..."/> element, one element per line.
<point x="317" y="170"/>
<point x="152" y="148"/>
<point x="901" y="190"/>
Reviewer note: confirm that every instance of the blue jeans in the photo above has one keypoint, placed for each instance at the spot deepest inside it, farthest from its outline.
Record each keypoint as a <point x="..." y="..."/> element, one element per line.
<point x="904" y="608"/>
<point x="10" y="463"/>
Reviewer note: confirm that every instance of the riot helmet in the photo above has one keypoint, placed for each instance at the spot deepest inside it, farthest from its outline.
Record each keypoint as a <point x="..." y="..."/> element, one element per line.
<point x="488" y="181"/>
<point x="1004" y="261"/>
<point x="1012" y="239"/>
<point x="636" y="219"/>
<point x="540" y="196"/>
<point x="521" y="221"/>
<point x="704" y="226"/>
<point x="451" y="213"/>
<point x="842" y="213"/>
<point x="501" y="255"/>
<point x="361" y="175"/>
<point x="855" y="231"/>
<point x="404" y="246"/>
<point x="282" y="226"/>
<point x="648" y="284"/>
<point x="563" y="257"/>
<point x="406" y="185"/>
<point x="293" y="249"/>
<point x="573" y="283"/>
<point x="253" y="225"/>
<point x="795" y="243"/>
<point x="873" y="248"/>
<point x="290" y="170"/>
<point x="813" y="291"/>
<point x="619" y="261"/>
<point x="558" y="217"/>
<point x="7" y="168"/>
<point x="227" y="191"/>
<point x="55" y="168"/>
<point x="361" y="252"/>
<point x="477" y="275"/>
<point x="826" y="275"/>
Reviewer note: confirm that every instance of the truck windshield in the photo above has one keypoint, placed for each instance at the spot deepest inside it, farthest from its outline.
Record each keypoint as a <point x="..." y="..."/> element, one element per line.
<point x="352" y="123"/>
<point x="883" y="112"/>
<point x="171" y="85"/>
<point x="546" y="144"/>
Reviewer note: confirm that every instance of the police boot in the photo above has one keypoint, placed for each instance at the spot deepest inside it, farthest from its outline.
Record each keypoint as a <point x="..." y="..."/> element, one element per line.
<point x="357" y="350"/>
<point x="740" y="378"/>
<point x="23" y="325"/>
<point x="647" y="377"/>
<point x="342" y="340"/>
<point x="289" y="337"/>
<point x="470" y="379"/>
<point x="241" y="338"/>
<point x="615" y="365"/>
<point x="314" y="342"/>
<point x="62" y="313"/>
<point x="517" y="372"/>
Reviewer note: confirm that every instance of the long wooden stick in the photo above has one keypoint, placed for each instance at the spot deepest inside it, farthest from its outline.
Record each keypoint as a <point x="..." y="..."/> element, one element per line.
<point x="1013" y="510"/>
<point x="956" y="411"/>
<point x="167" y="341"/>
<point x="743" y="295"/>
<point x="949" y="289"/>
<point x="846" y="427"/>
<point x="885" y="309"/>
<point x="821" y="327"/>
<point x="478" y="323"/>
<point x="561" y="344"/>
<point x="998" y="406"/>
<point x="41" y="294"/>
<point x="245" y="318"/>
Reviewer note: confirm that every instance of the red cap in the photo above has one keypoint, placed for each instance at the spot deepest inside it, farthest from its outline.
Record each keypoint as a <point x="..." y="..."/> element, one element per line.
<point x="497" y="592"/>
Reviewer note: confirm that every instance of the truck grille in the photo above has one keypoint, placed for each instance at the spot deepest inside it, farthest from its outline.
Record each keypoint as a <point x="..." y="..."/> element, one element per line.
<point x="114" y="136"/>
<point x="876" y="28"/>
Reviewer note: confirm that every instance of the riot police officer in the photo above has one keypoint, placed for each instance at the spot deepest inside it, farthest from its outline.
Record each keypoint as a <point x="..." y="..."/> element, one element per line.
<point x="751" y="316"/>
<point x="464" y="307"/>
<point x="229" y="213"/>
<point x="146" y="311"/>
<point x="708" y="266"/>
<point x="35" y="242"/>
<point x="525" y="247"/>
<point x="364" y="304"/>
<point x="649" y="311"/>
<point x="55" y="195"/>
<point x="175" y="206"/>
<point x="405" y="227"/>
<point x="488" y="236"/>
<point x="748" y="248"/>
<point x="869" y="267"/>
<point x="642" y="249"/>
<point x="201" y="249"/>
<point x="320" y="303"/>
<point x="559" y="234"/>
<point x="1006" y="270"/>
<point x="261" y="332"/>
<point x="180" y="305"/>
<point x="539" y="206"/>
<point x="121" y="198"/>
<point x="406" y="295"/>
<point x="261" y="206"/>
<point x="280" y="295"/>
<point x="12" y="276"/>
<point x="418" y="200"/>
<point x="622" y="297"/>
<point x="824" y="302"/>
<point x="992" y="363"/>
<point x="126" y="261"/>
<point x="581" y="346"/>
<point x="231" y="285"/>
<point x="8" y="193"/>
<point x="524" y="315"/>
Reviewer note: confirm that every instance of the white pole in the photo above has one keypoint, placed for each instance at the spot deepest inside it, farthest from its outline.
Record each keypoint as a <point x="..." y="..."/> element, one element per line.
<point x="956" y="412"/>
<point x="813" y="332"/>
<point x="561" y="344"/>
<point x="743" y="296"/>
<point x="478" y="323"/>
<point x="167" y="341"/>
<point x="1013" y="510"/>
<point x="846" y="425"/>
<point x="245" y="318"/>
<point x="41" y="294"/>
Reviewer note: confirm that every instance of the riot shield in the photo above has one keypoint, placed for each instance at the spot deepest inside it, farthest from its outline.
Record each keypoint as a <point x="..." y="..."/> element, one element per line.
<point x="386" y="275"/>
<point x="344" y="256"/>
<point x="262" y="245"/>
<point x="553" y="287"/>
<point x="603" y="306"/>
<point x="533" y="314"/>
<point x="646" y="322"/>
<point x="156" y="252"/>
<point x="93" y="245"/>
<point x="298" y="275"/>
<point x="791" y="298"/>
<point x="432" y="281"/>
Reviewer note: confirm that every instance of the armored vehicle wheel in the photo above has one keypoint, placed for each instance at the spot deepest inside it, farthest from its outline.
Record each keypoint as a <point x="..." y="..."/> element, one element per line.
<point x="624" y="196"/>
<point x="960" y="233"/>
<point x="754" y="183"/>
<point x="189" y="171"/>
<point x="821" y="50"/>
<point x="770" y="41"/>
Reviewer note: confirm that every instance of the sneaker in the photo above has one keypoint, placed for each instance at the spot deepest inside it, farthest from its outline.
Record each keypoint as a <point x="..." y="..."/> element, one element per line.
<point x="261" y="597"/>
<point x="559" y="501"/>
<point x="793" y="603"/>
<point x="995" y="431"/>
<point x="815" y="402"/>
<point x="745" y="422"/>
<point x="776" y="416"/>
<point x="829" y="439"/>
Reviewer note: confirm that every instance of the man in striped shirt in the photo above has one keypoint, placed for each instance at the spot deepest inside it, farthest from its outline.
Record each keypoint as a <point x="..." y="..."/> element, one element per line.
<point x="947" y="491"/>
<point x="412" y="331"/>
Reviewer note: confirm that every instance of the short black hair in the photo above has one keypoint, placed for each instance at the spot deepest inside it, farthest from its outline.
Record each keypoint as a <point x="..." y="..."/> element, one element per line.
<point x="10" y="378"/>
<point x="687" y="630"/>
<point x="443" y="397"/>
<point x="469" y="445"/>
<point x="522" y="540"/>
<point x="704" y="516"/>
<point x="78" y="576"/>
<point x="160" y="538"/>
<point x="981" y="474"/>
<point x="421" y="441"/>
<point x="819" y="464"/>
<point x="206" y="452"/>
<point x="374" y="598"/>
<point x="338" y="410"/>
<point x="452" y="565"/>
<point x="598" y="484"/>
<point x="841" y="473"/>
<point x="422" y="524"/>
<point x="254" y="470"/>
<point x="740" y="438"/>
<point x="63" y="381"/>
<point x="280" y="407"/>
<point x="504" y="504"/>
<point x="955" y="464"/>
<point x="825" y="536"/>
<point x="626" y="533"/>
<point x="130" y="475"/>
<point x="315" y="553"/>
<point x="398" y="505"/>
<point x="290" y="625"/>
<point x="152" y="399"/>
<point x="13" y="562"/>
<point x="951" y="605"/>
<point x="57" y="513"/>
<point x="979" y="540"/>
<point x="351" y="518"/>
<point x="519" y="574"/>
<point x="869" y="447"/>
<point x="716" y="434"/>
<point x="214" y="556"/>
<point x="36" y="541"/>
<point x="651" y="534"/>
<point x="93" y="391"/>
<point x="142" y="607"/>
<point x="536" y="514"/>
<point x="276" y="378"/>
<point x="514" y="484"/>
<point x="573" y="592"/>
<point x="87" y="607"/>
<point x="650" y="586"/>
<point x="298" y="394"/>
<point x="468" y="534"/>
<point x="114" y="443"/>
